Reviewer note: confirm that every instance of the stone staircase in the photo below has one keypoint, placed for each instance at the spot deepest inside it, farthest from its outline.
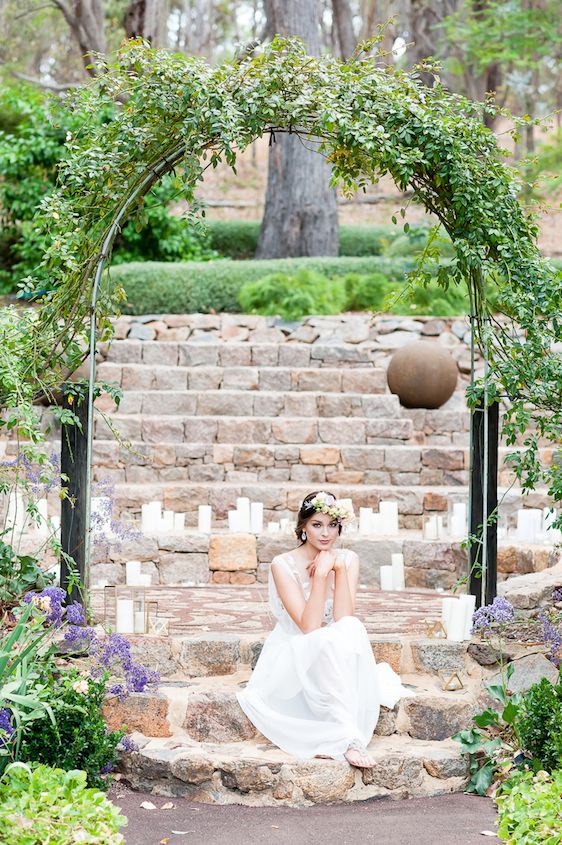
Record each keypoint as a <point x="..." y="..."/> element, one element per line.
<point x="195" y="741"/>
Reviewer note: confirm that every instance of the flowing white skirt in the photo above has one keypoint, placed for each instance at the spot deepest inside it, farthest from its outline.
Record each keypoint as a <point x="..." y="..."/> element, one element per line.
<point x="312" y="694"/>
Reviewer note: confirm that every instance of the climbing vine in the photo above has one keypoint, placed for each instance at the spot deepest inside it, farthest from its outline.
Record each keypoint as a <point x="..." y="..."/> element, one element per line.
<point x="179" y="115"/>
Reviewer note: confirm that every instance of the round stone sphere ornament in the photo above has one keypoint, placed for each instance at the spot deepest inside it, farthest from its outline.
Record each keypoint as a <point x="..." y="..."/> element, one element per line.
<point x="422" y="375"/>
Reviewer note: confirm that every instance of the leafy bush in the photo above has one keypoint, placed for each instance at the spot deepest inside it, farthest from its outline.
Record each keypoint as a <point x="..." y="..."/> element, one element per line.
<point x="366" y="293"/>
<point x="41" y="805"/>
<point x="18" y="575"/>
<point x="162" y="288"/>
<point x="539" y="724"/>
<point x="76" y="738"/>
<point x="293" y="297"/>
<point x="529" y="808"/>
<point x="238" y="239"/>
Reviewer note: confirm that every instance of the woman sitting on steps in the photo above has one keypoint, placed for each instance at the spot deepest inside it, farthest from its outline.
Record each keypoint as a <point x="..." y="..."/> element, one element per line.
<point x="316" y="690"/>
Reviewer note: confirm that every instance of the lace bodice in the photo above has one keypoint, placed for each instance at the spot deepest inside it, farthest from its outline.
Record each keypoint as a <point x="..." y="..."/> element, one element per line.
<point x="288" y="562"/>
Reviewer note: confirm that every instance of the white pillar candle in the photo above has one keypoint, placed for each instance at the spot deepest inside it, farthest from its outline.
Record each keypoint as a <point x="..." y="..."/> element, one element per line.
<point x="179" y="521"/>
<point x="386" y="577"/>
<point x="377" y="526"/>
<point x="125" y="622"/>
<point x="283" y="524"/>
<point x="529" y="524"/>
<point x="457" y="526"/>
<point x="243" y="508"/>
<point x="55" y="525"/>
<point x="440" y="527"/>
<point x="132" y="571"/>
<point x="167" y="521"/>
<point x="446" y="608"/>
<point x="469" y="605"/>
<point x="365" y="515"/>
<point x="272" y="527"/>
<point x="43" y="509"/>
<point x="140" y="622"/>
<point x="234" y="521"/>
<point x="388" y="512"/>
<point x="15" y="514"/>
<point x="256" y="517"/>
<point x="204" y="516"/>
<point x="456" y="621"/>
<point x="398" y="571"/>
<point x="144" y="579"/>
<point x="151" y="517"/>
<point x="430" y="529"/>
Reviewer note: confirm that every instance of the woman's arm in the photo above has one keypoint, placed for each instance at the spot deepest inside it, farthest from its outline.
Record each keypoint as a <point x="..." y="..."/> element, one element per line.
<point x="345" y="587"/>
<point x="308" y="615"/>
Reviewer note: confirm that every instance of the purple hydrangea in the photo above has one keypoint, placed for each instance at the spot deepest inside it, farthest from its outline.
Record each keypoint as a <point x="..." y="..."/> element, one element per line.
<point x="75" y="614"/>
<point x="52" y="608"/>
<point x="6" y="727"/>
<point x="491" y="615"/>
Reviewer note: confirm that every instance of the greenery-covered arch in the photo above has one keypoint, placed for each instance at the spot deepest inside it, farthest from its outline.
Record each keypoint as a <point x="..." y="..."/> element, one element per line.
<point x="371" y="120"/>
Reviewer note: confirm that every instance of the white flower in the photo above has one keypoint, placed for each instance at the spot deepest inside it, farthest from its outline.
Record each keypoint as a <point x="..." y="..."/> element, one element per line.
<point x="44" y="604"/>
<point x="80" y="686"/>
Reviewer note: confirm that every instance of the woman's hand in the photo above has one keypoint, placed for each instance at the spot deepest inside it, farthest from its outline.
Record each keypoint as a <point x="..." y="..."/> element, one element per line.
<point x="322" y="564"/>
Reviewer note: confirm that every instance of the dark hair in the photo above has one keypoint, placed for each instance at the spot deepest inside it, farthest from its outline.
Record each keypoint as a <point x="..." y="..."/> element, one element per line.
<point x="306" y="511"/>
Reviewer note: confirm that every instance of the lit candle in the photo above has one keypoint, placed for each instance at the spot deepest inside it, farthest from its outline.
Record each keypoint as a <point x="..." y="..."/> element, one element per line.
<point x="125" y="622"/>
<point x="204" y="516"/>
<point x="365" y="515"/>
<point x="469" y="606"/>
<point x="389" y="517"/>
<point x="386" y="577"/>
<point x="256" y="517"/>
<point x="179" y="521"/>
<point x="243" y="508"/>
<point x="132" y="572"/>
<point x="430" y="529"/>
<point x="398" y="571"/>
<point x="234" y="521"/>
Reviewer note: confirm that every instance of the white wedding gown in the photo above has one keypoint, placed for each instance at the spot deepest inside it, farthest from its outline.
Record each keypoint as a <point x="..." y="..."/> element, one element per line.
<point x="312" y="694"/>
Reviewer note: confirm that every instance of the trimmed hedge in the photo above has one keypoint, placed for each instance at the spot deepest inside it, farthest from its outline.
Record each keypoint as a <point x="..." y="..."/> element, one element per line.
<point x="238" y="239"/>
<point x="154" y="287"/>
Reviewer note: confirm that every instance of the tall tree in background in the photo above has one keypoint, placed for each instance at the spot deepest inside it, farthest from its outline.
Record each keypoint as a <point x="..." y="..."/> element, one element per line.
<point x="300" y="215"/>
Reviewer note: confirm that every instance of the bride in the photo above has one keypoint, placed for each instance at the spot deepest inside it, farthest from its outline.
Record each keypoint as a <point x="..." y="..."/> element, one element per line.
<point x="316" y="690"/>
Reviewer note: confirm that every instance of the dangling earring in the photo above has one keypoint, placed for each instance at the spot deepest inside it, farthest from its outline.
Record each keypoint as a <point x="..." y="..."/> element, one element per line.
<point x="303" y="536"/>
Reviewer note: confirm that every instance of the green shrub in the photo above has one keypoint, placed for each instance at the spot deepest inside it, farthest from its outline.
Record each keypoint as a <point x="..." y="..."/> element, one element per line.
<point x="293" y="297"/>
<point x="238" y="239"/>
<point x="164" y="288"/>
<point x="367" y="292"/>
<point x="539" y="724"/>
<point x="529" y="808"/>
<point x="40" y="805"/>
<point x="77" y="738"/>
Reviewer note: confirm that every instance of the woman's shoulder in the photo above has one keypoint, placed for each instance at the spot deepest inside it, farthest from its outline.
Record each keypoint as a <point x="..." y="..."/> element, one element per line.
<point x="349" y="556"/>
<point x="285" y="561"/>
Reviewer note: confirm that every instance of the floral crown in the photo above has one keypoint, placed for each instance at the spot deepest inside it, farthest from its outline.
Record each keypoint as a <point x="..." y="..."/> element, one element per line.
<point x="326" y="503"/>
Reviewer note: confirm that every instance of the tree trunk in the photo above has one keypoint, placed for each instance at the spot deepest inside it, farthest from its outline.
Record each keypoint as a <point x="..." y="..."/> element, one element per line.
<point x="343" y="19"/>
<point x="146" y="19"/>
<point x="300" y="215"/>
<point x="87" y="25"/>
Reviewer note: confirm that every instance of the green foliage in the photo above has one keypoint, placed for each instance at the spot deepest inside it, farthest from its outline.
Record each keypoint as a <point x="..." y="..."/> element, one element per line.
<point x="293" y="297"/>
<point x="539" y="724"/>
<point x="238" y="239"/>
<point x="366" y="292"/>
<point x="40" y="805"/>
<point x="76" y="738"/>
<point x="529" y="808"/>
<point x="19" y="574"/>
<point x="158" y="288"/>
<point x="372" y="121"/>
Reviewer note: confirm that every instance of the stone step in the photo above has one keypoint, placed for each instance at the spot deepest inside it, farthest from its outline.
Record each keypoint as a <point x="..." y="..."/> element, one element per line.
<point x="192" y="558"/>
<point x="207" y="353"/>
<point x="366" y="380"/>
<point x="256" y="773"/>
<point x="245" y="403"/>
<point x="207" y="710"/>
<point x="286" y="430"/>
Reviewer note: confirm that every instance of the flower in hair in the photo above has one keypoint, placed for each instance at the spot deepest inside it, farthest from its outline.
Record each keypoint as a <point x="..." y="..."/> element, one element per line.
<point x="326" y="503"/>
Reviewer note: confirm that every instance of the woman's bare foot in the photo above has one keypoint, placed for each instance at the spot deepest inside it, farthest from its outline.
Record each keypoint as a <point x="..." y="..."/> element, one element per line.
<point x="357" y="755"/>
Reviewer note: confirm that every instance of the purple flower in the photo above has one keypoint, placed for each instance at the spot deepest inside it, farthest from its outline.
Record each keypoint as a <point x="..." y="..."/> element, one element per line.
<point x="552" y="635"/>
<point x="6" y="727"/>
<point x="127" y="744"/>
<point x="75" y="614"/>
<point x="49" y="601"/>
<point x="79" y="637"/>
<point x="138" y="677"/>
<point x="107" y="769"/>
<point x="118" y="690"/>
<point x="496" y="614"/>
<point x="557" y="594"/>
